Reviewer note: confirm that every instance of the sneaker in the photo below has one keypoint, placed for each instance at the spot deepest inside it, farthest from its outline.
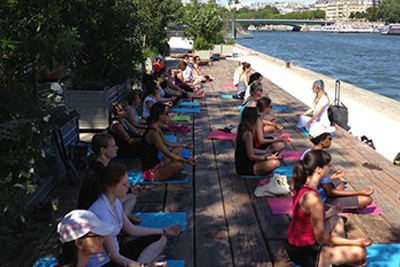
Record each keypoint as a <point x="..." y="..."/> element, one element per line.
<point x="277" y="186"/>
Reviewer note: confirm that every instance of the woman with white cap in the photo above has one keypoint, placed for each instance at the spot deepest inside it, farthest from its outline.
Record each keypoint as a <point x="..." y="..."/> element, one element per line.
<point x="82" y="235"/>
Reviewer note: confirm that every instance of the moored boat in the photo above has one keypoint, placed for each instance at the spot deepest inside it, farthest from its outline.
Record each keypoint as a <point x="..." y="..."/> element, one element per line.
<point x="392" y="29"/>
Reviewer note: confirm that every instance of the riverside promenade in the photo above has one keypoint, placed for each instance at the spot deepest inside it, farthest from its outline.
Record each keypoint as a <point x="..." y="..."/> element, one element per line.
<point x="226" y="224"/>
<point x="370" y="114"/>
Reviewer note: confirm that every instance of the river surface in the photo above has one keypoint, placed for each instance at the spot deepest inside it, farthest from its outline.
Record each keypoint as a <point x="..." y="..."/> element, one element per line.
<point x="370" y="61"/>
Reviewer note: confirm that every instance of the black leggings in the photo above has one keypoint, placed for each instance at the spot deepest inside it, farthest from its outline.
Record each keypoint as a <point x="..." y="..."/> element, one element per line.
<point x="133" y="248"/>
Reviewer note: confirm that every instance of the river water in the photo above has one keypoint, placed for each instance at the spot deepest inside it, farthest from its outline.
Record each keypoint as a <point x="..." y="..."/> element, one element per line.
<point x="370" y="61"/>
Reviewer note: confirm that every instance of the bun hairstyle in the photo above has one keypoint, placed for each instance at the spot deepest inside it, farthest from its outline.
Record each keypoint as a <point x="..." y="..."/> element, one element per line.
<point x="246" y="66"/>
<point x="307" y="166"/>
<point x="263" y="103"/>
<point x="156" y="110"/>
<point x="100" y="141"/>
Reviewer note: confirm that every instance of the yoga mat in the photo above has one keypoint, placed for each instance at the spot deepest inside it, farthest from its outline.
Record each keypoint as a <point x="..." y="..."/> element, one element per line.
<point x="175" y="263"/>
<point x="162" y="219"/>
<point x="189" y="104"/>
<point x="52" y="262"/>
<point x="171" y="138"/>
<point x="383" y="255"/>
<point x="279" y="108"/>
<point x="282" y="170"/>
<point x="275" y="108"/>
<point x="46" y="262"/>
<point x="304" y="130"/>
<point x="181" y="118"/>
<point x="137" y="178"/>
<point x="291" y="155"/>
<point x="227" y="85"/>
<point x="284" y="206"/>
<point x="226" y="96"/>
<point x="220" y="135"/>
<point x="186" y="110"/>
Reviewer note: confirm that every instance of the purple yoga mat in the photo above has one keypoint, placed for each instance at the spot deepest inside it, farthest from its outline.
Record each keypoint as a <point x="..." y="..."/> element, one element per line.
<point x="227" y="85"/>
<point x="284" y="206"/>
<point x="291" y="155"/>
<point x="220" y="135"/>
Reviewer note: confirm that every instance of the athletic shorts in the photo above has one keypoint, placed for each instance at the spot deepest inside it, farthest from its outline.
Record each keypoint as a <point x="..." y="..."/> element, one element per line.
<point x="348" y="203"/>
<point x="148" y="175"/>
<point x="305" y="256"/>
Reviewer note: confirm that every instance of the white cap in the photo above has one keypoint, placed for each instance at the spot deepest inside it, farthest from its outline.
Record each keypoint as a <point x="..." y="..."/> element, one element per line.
<point x="159" y="56"/>
<point x="78" y="223"/>
<point x="317" y="129"/>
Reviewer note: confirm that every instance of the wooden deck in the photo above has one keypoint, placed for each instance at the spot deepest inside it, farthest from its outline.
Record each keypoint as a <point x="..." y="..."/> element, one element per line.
<point x="226" y="224"/>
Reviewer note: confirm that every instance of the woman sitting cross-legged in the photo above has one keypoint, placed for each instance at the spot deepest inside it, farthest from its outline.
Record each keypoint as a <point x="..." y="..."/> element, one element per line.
<point x="142" y="251"/>
<point x="104" y="149"/>
<point x="125" y="134"/>
<point x="248" y="160"/>
<point x="153" y="141"/>
<point x="275" y="143"/>
<point x="134" y="101"/>
<point x="308" y="244"/>
<point x="82" y="235"/>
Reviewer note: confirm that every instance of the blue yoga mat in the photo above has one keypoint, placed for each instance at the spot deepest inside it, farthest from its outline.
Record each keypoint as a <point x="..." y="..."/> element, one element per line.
<point x="304" y="130"/>
<point x="52" y="262"/>
<point x="186" y="110"/>
<point x="189" y="104"/>
<point x="226" y="96"/>
<point x="279" y="108"/>
<point x="380" y="255"/>
<point x="175" y="263"/>
<point x="171" y="138"/>
<point x="46" y="262"/>
<point x="185" y="153"/>
<point x="137" y="178"/>
<point x="282" y="170"/>
<point x="162" y="219"/>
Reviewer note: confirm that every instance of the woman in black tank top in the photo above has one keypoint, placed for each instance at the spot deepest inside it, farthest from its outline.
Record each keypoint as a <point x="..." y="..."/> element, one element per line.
<point x="153" y="141"/>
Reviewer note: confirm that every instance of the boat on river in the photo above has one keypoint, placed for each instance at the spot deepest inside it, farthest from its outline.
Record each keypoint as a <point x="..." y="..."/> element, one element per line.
<point x="392" y="29"/>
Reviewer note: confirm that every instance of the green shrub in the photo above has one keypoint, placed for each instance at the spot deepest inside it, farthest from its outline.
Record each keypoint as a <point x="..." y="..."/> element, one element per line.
<point x="201" y="44"/>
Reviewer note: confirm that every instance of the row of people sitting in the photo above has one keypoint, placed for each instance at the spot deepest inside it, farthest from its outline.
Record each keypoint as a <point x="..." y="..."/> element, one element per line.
<point x="91" y="234"/>
<point x="316" y="235"/>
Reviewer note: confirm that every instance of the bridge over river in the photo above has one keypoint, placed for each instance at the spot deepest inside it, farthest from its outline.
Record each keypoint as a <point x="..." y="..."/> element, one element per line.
<point x="296" y="23"/>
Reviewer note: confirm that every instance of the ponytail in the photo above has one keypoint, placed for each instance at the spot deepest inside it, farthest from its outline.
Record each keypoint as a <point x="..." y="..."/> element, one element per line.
<point x="306" y="167"/>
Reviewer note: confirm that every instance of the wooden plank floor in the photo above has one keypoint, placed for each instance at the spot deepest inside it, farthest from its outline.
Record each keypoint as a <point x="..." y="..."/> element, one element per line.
<point x="226" y="224"/>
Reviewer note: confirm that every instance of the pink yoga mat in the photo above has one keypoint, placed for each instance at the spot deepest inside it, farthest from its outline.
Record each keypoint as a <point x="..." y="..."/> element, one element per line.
<point x="220" y="135"/>
<point x="291" y="155"/>
<point x="227" y="85"/>
<point x="284" y="206"/>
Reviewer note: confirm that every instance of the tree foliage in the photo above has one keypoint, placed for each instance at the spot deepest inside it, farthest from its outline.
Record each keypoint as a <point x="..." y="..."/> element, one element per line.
<point x="154" y="16"/>
<point x="203" y="20"/>
<point x="389" y="11"/>
<point x="269" y="12"/>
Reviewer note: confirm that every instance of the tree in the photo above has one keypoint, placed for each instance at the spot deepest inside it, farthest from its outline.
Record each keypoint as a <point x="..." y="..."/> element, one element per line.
<point x="154" y="16"/>
<point x="389" y="11"/>
<point x="203" y="20"/>
<point x="372" y="14"/>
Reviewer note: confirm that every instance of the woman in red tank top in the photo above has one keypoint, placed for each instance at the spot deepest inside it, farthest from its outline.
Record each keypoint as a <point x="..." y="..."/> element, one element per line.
<point x="306" y="239"/>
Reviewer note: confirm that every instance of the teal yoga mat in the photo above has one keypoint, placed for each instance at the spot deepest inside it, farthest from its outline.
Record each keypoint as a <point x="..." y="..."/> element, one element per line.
<point x="162" y="219"/>
<point x="186" y="110"/>
<point x="282" y="170"/>
<point x="136" y="178"/>
<point x="226" y="96"/>
<point x="189" y="104"/>
<point x="380" y="255"/>
<point x="171" y="138"/>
